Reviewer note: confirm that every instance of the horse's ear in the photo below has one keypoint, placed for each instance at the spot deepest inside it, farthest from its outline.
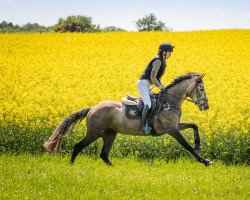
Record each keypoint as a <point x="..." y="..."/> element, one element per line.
<point x="199" y="78"/>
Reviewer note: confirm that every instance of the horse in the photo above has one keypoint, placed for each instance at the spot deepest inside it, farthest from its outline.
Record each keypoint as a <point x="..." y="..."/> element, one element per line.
<point x="107" y="119"/>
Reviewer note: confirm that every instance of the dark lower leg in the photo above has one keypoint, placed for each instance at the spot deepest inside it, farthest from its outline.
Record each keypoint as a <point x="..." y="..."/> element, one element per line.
<point x="108" y="140"/>
<point x="80" y="146"/>
<point x="177" y="135"/>
<point x="196" y="155"/>
<point x="105" y="156"/>
<point x="144" y="115"/>
<point x="183" y="126"/>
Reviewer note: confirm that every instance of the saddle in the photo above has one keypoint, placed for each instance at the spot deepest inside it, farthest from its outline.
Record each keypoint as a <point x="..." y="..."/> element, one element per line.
<point x="134" y="106"/>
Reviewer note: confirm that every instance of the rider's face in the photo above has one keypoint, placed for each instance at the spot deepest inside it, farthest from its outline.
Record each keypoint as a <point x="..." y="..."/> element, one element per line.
<point x="167" y="54"/>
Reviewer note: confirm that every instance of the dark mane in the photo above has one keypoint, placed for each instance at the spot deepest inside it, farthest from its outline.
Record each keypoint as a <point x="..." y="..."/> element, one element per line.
<point x="180" y="78"/>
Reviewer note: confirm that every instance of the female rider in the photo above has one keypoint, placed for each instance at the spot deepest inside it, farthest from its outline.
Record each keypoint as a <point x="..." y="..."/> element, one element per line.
<point x="152" y="76"/>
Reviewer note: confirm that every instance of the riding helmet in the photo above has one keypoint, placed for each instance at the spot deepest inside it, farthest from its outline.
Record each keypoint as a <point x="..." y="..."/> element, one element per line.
<point x="166" y="47"/>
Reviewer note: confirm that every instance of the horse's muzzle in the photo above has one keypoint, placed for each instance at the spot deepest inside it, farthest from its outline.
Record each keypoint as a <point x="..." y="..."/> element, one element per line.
<point x="204" y="107"/>
<point x="202" y="104"/>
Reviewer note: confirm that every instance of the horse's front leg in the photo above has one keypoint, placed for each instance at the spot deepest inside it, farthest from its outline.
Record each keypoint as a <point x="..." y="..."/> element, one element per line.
<point x="178" y="136"/>
<point x="182" y="126"/>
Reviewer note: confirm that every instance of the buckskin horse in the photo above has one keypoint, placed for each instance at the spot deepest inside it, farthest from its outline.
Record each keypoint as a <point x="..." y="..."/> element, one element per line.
<point x="108" y="118"/>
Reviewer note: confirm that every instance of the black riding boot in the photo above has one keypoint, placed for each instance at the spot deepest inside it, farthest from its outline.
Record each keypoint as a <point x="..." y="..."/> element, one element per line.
<point x="144" y="127"/>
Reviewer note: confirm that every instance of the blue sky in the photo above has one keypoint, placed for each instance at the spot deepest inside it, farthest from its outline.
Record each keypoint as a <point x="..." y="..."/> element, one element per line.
<point x="181" y="15"/>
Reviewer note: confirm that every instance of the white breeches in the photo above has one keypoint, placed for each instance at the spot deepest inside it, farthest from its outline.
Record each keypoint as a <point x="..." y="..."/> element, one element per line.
<point x="143" y="87"/>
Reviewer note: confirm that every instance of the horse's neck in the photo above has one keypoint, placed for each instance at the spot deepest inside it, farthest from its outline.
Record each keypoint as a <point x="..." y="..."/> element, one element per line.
<point x="178" y="92"/>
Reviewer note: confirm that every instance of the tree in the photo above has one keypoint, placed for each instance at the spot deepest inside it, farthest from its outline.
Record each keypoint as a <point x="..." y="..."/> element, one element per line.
<point x="150" y="23"/>
<point x="6" y="27"/>
<point x="4" y="24"/>
<point x="76" y="24"/>
<point x="112" y="29"/>
<point x="34" y="28"/>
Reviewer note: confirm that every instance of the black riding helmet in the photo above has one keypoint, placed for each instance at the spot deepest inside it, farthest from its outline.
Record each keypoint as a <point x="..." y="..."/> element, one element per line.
<point x="166" y="47"/>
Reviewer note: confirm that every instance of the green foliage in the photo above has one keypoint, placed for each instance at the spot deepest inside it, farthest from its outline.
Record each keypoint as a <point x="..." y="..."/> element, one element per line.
<point x="112" y="29"/>
<point x="8" y="27"/>
<point x="52" y="177"/>
<point x="82" y="23"/>
<point x="228" y="148"/>
<point x="35" y="28"/>
<point x="76" y="23"/>
<point x="150" y="23"/>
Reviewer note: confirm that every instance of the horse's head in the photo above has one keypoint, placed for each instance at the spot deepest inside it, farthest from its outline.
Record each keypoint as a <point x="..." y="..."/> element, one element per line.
<point x="196" y="91"/>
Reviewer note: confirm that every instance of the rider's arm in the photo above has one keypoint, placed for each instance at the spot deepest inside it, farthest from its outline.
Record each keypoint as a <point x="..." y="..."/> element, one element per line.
<point x="155" y="69"/>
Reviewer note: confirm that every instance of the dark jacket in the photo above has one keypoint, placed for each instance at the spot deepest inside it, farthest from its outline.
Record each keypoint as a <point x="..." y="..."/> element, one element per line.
<point x="147" y="72"/>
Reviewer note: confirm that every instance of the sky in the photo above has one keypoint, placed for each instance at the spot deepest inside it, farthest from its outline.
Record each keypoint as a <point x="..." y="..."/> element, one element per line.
<point x="180" y="15"/>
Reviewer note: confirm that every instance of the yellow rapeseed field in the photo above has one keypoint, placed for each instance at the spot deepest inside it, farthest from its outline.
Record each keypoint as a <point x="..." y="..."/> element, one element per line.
<point x="45" y="77"/>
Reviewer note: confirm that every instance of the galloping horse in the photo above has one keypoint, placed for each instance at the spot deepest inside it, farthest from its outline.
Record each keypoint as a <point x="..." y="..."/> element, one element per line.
<point x="107" y="119"/>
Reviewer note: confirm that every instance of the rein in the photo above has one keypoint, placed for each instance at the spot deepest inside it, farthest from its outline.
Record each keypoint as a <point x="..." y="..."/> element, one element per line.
<point x="165" y="104"/>
<point x="189" y="100"/>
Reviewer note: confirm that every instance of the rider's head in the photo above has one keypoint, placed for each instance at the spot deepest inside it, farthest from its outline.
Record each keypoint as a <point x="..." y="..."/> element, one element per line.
<point x="165" y="49"/>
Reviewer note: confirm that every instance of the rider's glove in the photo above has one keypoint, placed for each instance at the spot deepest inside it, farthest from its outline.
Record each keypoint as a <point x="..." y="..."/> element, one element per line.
<point x="162" y="87"/>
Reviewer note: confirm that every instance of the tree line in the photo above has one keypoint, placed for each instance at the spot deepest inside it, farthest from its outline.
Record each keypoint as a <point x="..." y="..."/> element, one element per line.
<point x="82" y="23"/>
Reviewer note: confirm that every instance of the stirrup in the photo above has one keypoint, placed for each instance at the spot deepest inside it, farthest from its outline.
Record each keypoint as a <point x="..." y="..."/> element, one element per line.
<point x="146" y="129"/>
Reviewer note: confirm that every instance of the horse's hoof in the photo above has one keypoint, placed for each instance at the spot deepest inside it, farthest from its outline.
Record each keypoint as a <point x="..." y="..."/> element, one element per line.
<point x="108" y="163"/>
<point x="208" y="162"/>
<point x="72" y="161"/>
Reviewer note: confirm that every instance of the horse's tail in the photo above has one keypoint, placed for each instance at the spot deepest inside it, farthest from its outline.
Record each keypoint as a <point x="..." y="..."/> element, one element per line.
<point x="53" y="144"/>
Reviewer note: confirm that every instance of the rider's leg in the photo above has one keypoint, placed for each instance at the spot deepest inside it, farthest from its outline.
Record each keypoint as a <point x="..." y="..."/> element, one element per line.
<point x="144" y="115"/>
<point x="143" y="87"/>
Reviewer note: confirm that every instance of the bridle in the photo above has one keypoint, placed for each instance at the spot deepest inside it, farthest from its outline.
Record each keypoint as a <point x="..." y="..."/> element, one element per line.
<point x="166" y="105"/>
<point x="198" y="95"/>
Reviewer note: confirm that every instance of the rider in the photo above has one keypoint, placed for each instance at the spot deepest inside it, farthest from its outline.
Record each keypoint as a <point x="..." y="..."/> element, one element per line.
<point x="151" y="76"/>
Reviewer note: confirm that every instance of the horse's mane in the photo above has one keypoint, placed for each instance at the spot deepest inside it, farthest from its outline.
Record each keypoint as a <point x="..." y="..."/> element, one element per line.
<point x="180" y="78"/>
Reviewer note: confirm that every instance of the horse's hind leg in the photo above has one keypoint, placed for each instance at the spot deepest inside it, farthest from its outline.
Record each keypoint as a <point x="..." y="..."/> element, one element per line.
<point x="82" y="144"/>
<point x="108" y="140"/>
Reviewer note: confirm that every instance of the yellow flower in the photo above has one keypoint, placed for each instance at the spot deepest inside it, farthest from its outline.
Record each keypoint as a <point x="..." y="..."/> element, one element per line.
<point x="49" y="76"/>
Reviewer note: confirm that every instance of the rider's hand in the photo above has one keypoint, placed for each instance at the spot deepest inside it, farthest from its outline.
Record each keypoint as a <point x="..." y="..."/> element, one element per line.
<point x="162" y="87"/>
